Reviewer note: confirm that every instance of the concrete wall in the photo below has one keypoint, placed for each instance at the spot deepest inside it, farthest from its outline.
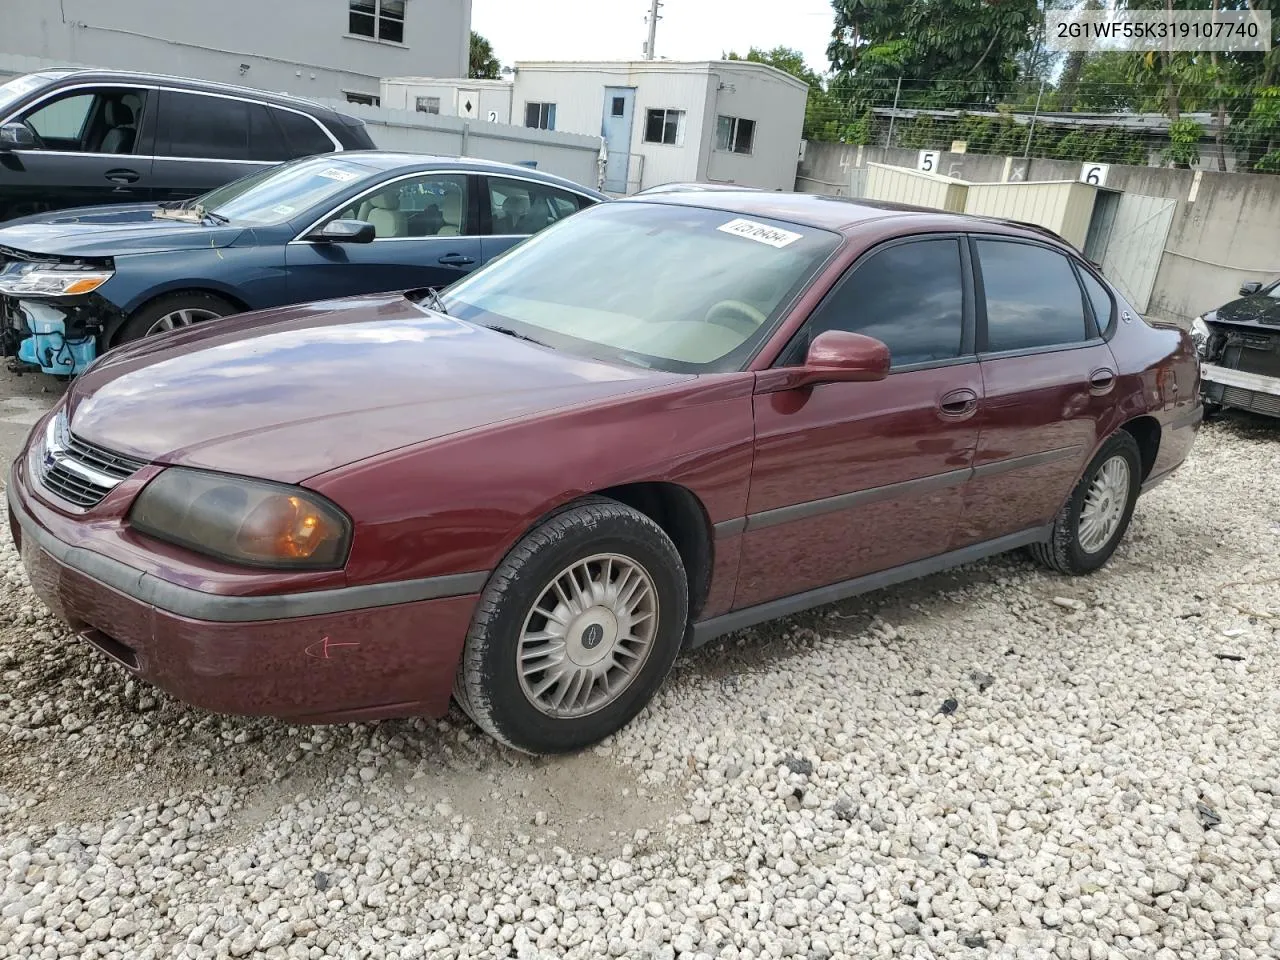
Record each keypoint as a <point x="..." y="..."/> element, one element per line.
<point x="294" y="46"/>
<point x="565" y="154"/>
<point x="1226" y="227"/>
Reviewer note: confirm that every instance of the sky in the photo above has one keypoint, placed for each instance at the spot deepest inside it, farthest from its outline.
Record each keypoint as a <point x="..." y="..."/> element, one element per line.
<point x="616" y="29"/>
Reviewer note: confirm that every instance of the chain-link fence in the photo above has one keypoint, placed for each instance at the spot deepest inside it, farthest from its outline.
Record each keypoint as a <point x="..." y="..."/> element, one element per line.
<point x="1215" y="129"/>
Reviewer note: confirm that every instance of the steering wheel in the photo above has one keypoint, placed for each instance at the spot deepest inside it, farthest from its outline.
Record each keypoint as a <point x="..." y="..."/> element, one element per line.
<point x="737" y="316"/>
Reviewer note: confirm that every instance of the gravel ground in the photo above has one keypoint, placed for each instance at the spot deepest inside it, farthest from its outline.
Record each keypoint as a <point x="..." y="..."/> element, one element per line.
<point x="991" y="763"/>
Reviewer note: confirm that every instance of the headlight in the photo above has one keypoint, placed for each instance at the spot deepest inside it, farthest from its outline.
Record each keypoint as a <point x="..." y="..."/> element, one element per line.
<point x="47" y="280"/>
<point x="243" y="521"/>
<point x="1200" y="335"/>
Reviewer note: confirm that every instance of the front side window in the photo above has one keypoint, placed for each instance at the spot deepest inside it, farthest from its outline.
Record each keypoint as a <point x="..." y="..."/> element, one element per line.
<point x="205" y="127"/>
<point x="735" y="135"/>
<point x="432" y="205"/>
<point x="687" y="289"/>
<point x="521" y="207"/>
<point x="910" y="297"/>
<point x="377" y="19"/>
<point x="664" y="126"/>
<point x="89" y="121"/>
<point x="428" y="104"/>
<point x="1032" y="297"/>
<point x="540" y="116"/>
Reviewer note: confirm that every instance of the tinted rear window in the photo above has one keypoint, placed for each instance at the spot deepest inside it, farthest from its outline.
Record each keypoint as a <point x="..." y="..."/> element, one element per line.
<point x="203" y="127"/>
<point x="1032" y="297"/>
<point x="304" y="134"/>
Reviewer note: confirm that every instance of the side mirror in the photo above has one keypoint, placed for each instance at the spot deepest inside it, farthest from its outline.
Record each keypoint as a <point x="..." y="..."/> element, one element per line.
<point x="839" y="356"/>
<point x="16" y="136"/>
<point x="1250" y="288"/>
<point x="344" y="231"/>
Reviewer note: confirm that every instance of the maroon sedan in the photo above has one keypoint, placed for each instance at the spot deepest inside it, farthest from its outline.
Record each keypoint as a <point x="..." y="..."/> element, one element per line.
<point x="663" y="419"/>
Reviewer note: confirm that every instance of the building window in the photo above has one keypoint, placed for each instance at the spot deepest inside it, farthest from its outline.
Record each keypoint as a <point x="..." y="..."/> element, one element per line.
<point x="378" y="19"/>
<point x="540" y="116"/>
<point x="428" y="104"/>
<point x="619" y="106"/>
<point x="364" y="99"/>
<point x="735" y="135"/>
<point x="664" y="126"/>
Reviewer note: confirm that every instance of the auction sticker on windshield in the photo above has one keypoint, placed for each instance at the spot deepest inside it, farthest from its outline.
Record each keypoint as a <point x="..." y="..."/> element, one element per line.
<point x="342" y="176"/>
<point x="760" y="233"/>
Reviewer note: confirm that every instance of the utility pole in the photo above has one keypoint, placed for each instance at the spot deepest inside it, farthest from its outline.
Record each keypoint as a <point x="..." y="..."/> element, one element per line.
<point x="653" y="28"/>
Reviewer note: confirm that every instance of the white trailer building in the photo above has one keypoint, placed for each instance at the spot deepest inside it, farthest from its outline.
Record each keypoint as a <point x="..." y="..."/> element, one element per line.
<point x="663" y="121"/>
<point x="729" y="121"/>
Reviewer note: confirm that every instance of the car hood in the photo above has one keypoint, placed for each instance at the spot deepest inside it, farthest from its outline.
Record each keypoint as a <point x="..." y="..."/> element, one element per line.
<point x="292" y="393"/>
<point x="1258" y="310"/>
<point x="110" y="232"/>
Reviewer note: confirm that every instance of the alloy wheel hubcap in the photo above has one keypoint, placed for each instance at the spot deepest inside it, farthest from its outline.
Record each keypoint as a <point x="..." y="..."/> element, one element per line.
<point x="1104" y="504"/>
<point x="179" y="319"/>
<point x="588" y="636"/>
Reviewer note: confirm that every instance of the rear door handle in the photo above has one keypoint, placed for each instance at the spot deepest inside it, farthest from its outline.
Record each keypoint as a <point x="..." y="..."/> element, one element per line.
<point x="958" y="404"/>
<point x="1101" y="381"/>
<point x="456" y="260"/>
<point x="121" y="175"/>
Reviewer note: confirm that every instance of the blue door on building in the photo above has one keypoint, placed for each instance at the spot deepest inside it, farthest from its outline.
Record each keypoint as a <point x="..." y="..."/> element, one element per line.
<point x="619" y="112"/>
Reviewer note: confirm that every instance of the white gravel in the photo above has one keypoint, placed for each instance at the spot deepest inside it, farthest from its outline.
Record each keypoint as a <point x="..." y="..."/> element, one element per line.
<point x="991" y="763"/>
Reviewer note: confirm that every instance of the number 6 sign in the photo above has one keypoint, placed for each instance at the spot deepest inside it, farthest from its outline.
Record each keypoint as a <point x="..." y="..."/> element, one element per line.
<point x="1094" y="173"/>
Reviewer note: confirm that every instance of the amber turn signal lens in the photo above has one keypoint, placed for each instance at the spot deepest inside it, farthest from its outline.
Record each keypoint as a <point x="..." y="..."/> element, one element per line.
<point x="287" y="528"/>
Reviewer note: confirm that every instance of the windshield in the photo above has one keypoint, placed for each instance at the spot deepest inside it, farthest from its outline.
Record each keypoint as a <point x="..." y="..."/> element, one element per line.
<point x="672" y="287"/>
<point x="19" y="87"/>
<point x="280" y="193"/>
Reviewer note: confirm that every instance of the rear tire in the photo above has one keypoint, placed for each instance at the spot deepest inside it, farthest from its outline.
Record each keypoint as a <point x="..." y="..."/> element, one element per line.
<point x="174" y="311"/>
<point x="1095" y="517"/>
<point x="548" y="684"/>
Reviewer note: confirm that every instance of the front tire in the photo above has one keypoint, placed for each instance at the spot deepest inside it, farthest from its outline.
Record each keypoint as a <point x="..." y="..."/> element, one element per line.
<point x="1094" y="519"/>
<point x="575" y="631"/>
<point x="173" y="312"/>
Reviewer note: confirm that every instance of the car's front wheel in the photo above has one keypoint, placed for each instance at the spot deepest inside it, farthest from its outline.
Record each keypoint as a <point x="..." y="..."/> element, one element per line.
<point x="174" y="312"/>
<point x="1094" y="519"/>
<point x="575" y="631"/>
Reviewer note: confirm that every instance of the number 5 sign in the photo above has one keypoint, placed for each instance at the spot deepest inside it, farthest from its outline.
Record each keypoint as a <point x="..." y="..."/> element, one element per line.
<point x="928" y="161"/>
<point x="1094" y="173"/>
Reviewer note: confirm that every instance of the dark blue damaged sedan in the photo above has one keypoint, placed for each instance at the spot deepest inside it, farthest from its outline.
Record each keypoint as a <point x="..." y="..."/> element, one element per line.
<point x="75" y="283"/>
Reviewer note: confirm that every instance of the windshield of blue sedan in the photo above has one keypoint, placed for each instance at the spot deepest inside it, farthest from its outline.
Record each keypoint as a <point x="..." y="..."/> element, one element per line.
<point x="674" y="287"/>
<point x="281" y="193"/>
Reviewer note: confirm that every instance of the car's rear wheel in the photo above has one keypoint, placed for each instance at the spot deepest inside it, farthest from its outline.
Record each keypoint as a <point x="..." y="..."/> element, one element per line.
<point x="1091" y="524"/>
<point x="174" y="312"/>
<point x="575" y="631"/>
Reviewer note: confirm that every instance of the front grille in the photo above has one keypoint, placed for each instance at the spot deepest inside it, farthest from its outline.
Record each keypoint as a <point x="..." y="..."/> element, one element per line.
<point x="1252" y="351"/>
<point x="80" y="472"/>
<point x="1243" y="399"/>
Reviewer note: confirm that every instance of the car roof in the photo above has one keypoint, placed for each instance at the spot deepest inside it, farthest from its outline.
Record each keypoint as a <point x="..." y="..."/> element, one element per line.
<point x="409" y="162"/>
<point x="841" y="214"/>
<point x="65" y="75"/>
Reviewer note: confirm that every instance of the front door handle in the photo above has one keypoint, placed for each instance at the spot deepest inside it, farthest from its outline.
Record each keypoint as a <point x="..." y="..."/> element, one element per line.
<point x="456" y="260"/>
<point x="1101" y="382"/>
<point x="958" y="404"/>
<point x="122" y="175"/>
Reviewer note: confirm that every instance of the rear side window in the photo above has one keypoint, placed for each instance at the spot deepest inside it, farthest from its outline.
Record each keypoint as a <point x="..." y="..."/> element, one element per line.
<point x="304" y="136"/>
<point x="1032" y="297"/>
<point x="1099" y="299"/>
<point x="266" y="142"/>
<point x="203" y="127"/>
<point x="910" y="297"/>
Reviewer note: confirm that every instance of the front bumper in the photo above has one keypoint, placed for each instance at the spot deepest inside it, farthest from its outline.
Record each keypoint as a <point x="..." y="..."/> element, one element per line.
<point x="1240" y="389"/>
<point x="340" y="665"/>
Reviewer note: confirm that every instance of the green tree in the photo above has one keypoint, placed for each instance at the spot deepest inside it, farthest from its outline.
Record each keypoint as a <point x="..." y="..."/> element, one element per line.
<point x="484" y="65"/>
<point x="947" y="52"/>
